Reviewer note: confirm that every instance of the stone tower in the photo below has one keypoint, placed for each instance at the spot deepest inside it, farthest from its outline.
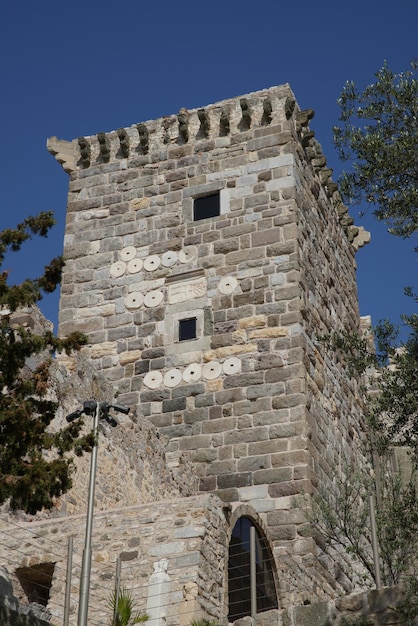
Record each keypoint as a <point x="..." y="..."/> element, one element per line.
<point x="206" y="254"/>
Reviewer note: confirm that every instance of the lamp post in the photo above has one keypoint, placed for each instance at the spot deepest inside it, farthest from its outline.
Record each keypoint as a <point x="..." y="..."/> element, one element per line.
<point x="98" y="410"/>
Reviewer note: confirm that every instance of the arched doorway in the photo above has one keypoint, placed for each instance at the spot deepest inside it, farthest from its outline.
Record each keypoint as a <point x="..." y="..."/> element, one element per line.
<point x="250" y="571"/>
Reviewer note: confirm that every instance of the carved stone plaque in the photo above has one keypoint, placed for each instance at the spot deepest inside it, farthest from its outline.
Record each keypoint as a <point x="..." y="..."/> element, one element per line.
<point x="180" y="292"/>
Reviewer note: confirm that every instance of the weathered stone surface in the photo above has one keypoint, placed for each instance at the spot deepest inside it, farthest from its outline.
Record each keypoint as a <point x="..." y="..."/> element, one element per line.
<point x="269" y="423"/>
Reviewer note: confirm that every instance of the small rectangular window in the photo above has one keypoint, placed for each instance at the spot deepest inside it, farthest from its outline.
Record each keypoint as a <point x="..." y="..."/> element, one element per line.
<point x="207" y="206"/>
<point x="187" y="329"/>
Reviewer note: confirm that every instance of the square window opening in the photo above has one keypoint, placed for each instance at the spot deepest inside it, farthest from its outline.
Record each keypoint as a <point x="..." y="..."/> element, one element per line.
<point x="187" y="329"/>
<point x="207" y="206"/>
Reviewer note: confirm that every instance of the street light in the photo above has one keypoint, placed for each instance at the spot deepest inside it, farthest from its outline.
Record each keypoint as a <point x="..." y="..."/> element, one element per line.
<point x="98" y="410"/>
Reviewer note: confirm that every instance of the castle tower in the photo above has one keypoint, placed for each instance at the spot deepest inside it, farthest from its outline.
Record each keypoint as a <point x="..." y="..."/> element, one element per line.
<point x="206" y="254"/>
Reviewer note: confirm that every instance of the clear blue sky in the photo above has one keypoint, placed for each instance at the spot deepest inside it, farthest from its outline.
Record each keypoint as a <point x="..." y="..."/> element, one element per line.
<point x="78" y="68"/>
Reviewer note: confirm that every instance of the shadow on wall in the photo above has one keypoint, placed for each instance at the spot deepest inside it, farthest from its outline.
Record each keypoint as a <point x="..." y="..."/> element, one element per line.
<point x="14" y="614"/>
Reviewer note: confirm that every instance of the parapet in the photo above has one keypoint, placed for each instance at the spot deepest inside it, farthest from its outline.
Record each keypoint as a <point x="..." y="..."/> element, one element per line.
<point x="212" y="127"/>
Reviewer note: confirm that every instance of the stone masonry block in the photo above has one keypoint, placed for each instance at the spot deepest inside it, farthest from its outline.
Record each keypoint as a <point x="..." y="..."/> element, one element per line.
<point x="177" y="404"/>
<point x="253" y="463"/>
<point x="289" y="488"/>
<point x="245" y="435"/>
<point x="275" y="475"/>
<point x="260" y="391"/>
<point x="227" y="481"/>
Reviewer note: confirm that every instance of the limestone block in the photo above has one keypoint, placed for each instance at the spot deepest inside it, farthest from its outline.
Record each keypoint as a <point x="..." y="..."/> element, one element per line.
<point x="129" y="357"/>
<point x="103" y="349"/>
<point x="65" y="152"/>
<point x="252" y="322"/>
<point x="265" y="333"/>
<point x="140" y="203"/>
<point x="226" y="351"/>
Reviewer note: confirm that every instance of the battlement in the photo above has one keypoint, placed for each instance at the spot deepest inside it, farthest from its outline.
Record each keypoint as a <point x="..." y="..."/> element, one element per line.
<point x="216" y="126"/>
<point x="218" y="122"/>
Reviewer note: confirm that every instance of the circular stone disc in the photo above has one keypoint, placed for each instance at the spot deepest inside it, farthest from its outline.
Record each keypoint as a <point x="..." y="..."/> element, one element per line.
<point x="153" y="298"/>
<point x="135" y="265"/>
<point x="232" y="365"/>
<point x="153" y="379"/>
<point x="188" y="254"/>
<point x="117" y="269"/>
<point x="192" y="373"/>
<point x="169" y="258"/>
<point x="227" y="285"/>
<point x="211" y="370"/>
<point x="152" y="262"/>
<point x="128" y="253"/>
<point x="134" y="300"/>
<point x="172" y="378"/>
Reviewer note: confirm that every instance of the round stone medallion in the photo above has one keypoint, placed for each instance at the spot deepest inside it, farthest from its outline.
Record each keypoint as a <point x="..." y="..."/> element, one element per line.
<point x="153" y="379"/>
<point x="192" y="373"/>
<point x="135" y="265"/>
<point x="172" y="377"/>
<point x="169" y="258"/>
<point x="128" y="253"/>
<point x="227" y="285"/>
<point x="153" y="298"/>
<point x="117" y="269"/>
<point x="232" y="365"/>
<point x="152" y="262"/>
<point x="188" y="254"/>
<point x="134" y="300"/>
<point x="211" y="370"/>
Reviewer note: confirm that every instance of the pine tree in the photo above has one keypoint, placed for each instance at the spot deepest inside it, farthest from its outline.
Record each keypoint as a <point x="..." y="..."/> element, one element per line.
<point x="35" y="463"/>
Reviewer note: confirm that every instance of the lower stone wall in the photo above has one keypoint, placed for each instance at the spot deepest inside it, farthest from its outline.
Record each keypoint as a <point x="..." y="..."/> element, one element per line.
<point x="14" y="614"/>
<point x="8" y="617"/>
<point x="173" y="557"/>
<point x="371" y="608"/>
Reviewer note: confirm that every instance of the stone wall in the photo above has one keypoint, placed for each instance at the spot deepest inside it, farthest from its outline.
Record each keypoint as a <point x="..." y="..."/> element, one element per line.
<point x="173" y="558"/>
<point x="14" y="614"/>
<point x="254" y="402"/>
<point x="132" y="466"/>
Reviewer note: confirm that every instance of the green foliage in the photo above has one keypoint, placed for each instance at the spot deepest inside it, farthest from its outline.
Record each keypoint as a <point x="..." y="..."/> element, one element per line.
<point x="392" y="411"/>
<point x="123" y="612"/>
<point x="343" y="520"/>
<point x="407" y="608"/>
<point x="378" y="135"/>
<point x="34" y="463"/>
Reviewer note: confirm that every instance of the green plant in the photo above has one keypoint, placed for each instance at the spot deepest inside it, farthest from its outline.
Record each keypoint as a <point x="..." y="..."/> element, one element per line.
<point x="123" y="611"/>
<point x="343" y="519"/>
<point x="378" y="135"/>
<point x="35" y="464"/>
